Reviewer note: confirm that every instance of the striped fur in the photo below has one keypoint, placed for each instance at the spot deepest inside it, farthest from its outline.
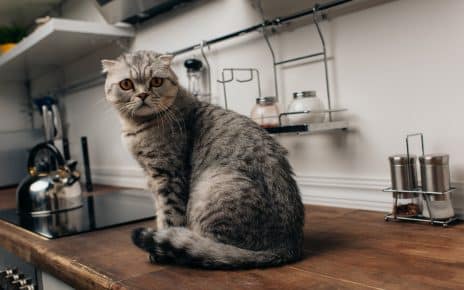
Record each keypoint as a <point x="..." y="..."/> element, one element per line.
<point x="224" y="191"/>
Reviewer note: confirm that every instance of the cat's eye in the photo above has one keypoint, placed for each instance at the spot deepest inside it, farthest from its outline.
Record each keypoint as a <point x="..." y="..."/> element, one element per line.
<point x="156" y="82"/>
<point x="126" y="84"/>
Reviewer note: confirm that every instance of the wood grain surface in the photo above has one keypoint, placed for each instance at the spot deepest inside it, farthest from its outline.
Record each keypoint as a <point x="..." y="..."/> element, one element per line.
<point x="344" y="249"/>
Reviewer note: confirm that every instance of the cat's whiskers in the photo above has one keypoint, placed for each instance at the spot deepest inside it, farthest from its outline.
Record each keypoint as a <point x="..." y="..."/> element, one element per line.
<point x="162" y="122"/>
<point x="163" y="108"/>
<point x="128" y="108"/>
<point x="174" y="119"/>
<point x="160" y="119"/>
<point x="163" y="111"/>
<point x="170" y="114"/>
<point x="124" y="107"/>
<point x="174" y="113"/>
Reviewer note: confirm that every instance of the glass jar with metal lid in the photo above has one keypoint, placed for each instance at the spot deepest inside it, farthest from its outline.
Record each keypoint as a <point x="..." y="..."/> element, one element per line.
<point x="266" y="112"/>
<point x="194" y="67"/>
<point x="310" y="106"/>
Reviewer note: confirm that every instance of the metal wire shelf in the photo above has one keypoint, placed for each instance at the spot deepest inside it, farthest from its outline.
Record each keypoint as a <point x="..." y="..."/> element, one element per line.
<point x="310" y="127"/>
<point x="300" y="129"/>
<point x="317" y="17"/>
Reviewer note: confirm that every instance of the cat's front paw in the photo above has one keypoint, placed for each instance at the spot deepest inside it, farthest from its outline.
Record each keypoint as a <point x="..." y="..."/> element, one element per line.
<point x="155" y="258"/>
<point x="144" y="239"/>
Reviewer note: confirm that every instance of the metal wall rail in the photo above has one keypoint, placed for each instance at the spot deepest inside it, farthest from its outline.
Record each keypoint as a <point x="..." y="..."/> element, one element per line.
<point x="274" y="22"/>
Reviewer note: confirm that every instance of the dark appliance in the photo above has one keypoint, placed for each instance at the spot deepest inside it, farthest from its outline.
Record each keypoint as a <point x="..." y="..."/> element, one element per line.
<point x="134" y="11"/>
<point x="98" y="212"/>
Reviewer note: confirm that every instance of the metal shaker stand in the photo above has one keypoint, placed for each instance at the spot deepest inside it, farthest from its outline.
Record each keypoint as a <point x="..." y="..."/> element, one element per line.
<point x="425" y="196"/>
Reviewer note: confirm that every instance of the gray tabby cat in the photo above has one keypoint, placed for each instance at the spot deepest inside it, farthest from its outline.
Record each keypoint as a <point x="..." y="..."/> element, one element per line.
<point x="223" y="188"/>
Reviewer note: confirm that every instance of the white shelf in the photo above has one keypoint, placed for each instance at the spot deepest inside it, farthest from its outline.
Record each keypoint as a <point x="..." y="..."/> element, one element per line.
<point x="55" y="44"/>
<point x="328" y="126"/>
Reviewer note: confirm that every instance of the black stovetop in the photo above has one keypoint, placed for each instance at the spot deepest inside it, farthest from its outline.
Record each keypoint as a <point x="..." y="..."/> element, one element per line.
<point x="98" y="212"/>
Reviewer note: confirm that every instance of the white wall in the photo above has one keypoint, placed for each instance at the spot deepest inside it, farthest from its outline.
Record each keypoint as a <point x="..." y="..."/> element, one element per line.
<point x="13" y="107"/>
<point x="16" y="136"/>
<point x="396" y="67"/>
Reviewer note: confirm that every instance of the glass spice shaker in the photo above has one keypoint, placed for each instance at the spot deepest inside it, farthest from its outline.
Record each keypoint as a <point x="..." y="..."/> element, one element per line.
<point x="266" y="112"/>
<point x="194" y="67"/>
<point x="403" y="172"/>
<point x="435" y="176"/>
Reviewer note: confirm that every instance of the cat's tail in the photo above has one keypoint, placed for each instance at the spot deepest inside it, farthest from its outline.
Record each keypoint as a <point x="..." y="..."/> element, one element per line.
<point x="182" y="246"/>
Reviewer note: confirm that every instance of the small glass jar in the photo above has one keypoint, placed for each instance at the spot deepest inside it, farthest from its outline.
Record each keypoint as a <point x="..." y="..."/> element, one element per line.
<point x="194" y="67"/>
<point x="266" y="112"/>
<point x="306" y="101"/>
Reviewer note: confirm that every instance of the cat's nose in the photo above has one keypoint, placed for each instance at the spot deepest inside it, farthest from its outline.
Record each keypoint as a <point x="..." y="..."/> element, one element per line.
<point x="142" y="96"/>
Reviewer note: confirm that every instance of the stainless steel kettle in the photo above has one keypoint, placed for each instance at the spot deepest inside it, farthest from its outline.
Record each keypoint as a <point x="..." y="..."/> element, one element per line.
<point x="51" y="186"/>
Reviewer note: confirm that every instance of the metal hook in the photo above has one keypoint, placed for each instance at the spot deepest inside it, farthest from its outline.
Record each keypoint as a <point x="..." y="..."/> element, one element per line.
<point x="271" y="49"/>
<point x="251" y="70"/>
<point x="316" y="13"/>
<point x="224" y="86"/>
<point x="324" y="51"/>
<point x="223" y="81"/>
<point x="248" y="79"/>
<point x="259" y="83"/>
<point x="208" y="68"/>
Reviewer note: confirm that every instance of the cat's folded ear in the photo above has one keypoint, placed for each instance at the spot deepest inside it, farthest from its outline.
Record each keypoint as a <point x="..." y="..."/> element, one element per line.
<point x="107" y="64"/>
<point x="166" y="59"/>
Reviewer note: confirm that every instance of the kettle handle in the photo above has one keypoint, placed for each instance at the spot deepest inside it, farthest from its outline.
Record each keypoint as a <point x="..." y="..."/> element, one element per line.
<point x="44" y="146"/>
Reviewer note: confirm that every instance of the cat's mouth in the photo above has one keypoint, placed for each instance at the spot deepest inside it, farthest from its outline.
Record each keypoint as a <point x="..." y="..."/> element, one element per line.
<point x="144" y="105"/>
<point x="143" y="109"/>
<point x="146" y="108"/>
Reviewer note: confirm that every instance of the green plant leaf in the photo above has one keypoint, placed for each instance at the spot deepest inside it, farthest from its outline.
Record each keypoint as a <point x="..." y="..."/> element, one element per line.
<point x="11" y="34"/>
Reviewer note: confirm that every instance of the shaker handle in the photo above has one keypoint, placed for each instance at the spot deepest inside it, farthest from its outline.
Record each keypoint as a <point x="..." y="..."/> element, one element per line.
<point x="408" y="152"/>
<point x="414" y="135"/>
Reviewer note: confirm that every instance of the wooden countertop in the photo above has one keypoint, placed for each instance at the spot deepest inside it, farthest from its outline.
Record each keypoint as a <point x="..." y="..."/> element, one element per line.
<point x="345" y="249"/>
